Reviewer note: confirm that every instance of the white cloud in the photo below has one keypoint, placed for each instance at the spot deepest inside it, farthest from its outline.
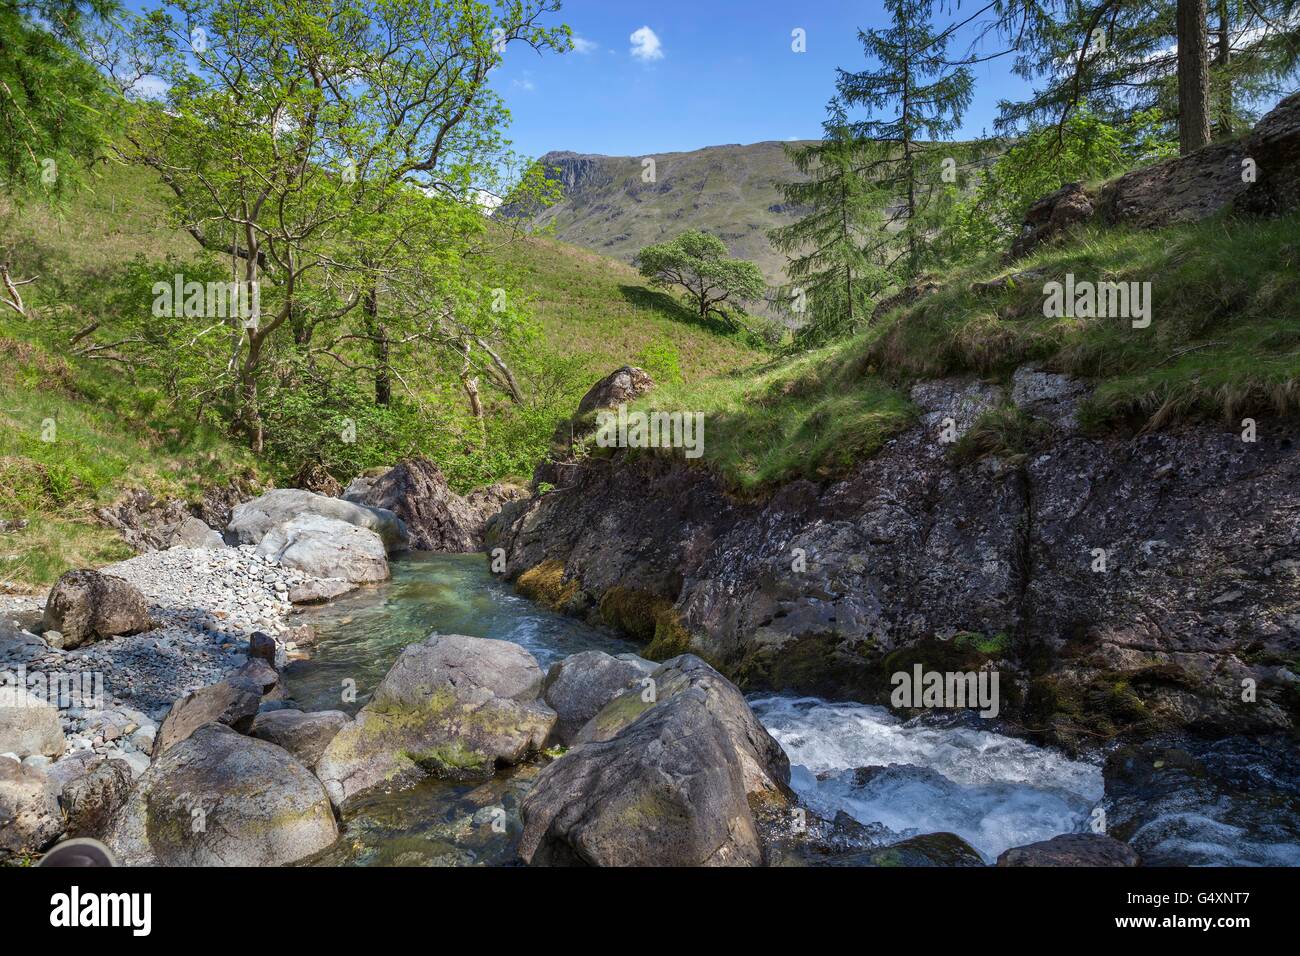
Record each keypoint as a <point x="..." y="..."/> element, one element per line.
<point x="581" y="45"/>
<point x="646" y="45"/>
<point x="526" y="85"/>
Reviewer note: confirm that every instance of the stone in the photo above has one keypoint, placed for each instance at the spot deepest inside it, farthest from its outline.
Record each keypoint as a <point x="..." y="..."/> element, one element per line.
<point x="194" y="533"/>
<point x="451" y="706"/>
<point x="305" y="735"/>
<point x="261" y="646"/>
<point x="219" y="799"/>
<point x="1048" y="395"/>
<point x="232" y="702"/>
<point x="250" y="521"/>
<point x="90" y="800"/>
<point x="670" y="788"/>
<point x="1072" y="849"/>
<point x="327" y="548"/>
<point x="1052" y="215"/>
<point x="85" y="606"/>
<point x="29" y="809"/>
<point x="29" y="725"/>
<point x="319" y="590"/>
<point x="436" y="518"/>
<point x="619" y="387"/>
<point x="579" y="686"/>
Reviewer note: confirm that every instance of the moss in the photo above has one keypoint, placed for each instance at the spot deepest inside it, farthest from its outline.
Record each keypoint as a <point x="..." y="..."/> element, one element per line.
<point x="824" y="664"/>
<point x="545" y="584"/>
<point x="670" y="638"/>
<point x="451" y="759"/>
<point x="633" y="611"/>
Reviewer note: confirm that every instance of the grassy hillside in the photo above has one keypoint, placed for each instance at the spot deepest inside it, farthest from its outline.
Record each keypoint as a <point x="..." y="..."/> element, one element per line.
<point x="1223" y="344"/>
<point x="108" y="432"/>
<point x="728" y="191"/>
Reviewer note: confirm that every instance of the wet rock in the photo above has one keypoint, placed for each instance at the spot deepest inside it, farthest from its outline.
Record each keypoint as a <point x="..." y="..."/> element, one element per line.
<point x="29" y="725"/>
<point x="577" y="687"/>
<point x="85" y="606"/>
<point x="1072" y="849"/>
<point x="670" y="788"/>
<point x="250" y="521"/>
<point x="219" y="799"/>
<point x="327" y="548"/>
<point x="29" y="809"/>
<point x="318" y="590"/>
<point x="450" y="706"/>
<point x="928" y="849"/>
<point x="305" y="735"/>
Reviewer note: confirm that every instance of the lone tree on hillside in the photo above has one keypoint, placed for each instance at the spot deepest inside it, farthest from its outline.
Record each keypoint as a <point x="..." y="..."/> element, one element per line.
<point x="697" y="262"/>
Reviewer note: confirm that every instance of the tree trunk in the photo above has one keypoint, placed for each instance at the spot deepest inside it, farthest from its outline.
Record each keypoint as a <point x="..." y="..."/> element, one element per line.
<point x="1222" y="60"/>
<point x="1193" y="76"/>
<point x="378" y="333"/>
<point x="250" y="414"/>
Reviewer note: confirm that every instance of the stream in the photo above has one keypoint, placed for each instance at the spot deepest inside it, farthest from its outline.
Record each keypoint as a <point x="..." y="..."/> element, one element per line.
<point x="899" y="778"/>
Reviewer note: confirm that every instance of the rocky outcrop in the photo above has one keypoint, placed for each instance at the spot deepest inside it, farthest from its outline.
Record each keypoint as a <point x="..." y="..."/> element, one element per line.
<point x="1257" y="174"/>
<point x="221" y="799"/>
<point x="619" y="387"/>
<point x="151" y="524"/>
<point x="86" y="606"/>
<point x="667" y="780"/>
<point x="250" y="521"/>
<point x="327" y="548"/>
<point x="1072" y="849"/>
<point x="451" y="706"/>
<point x="29" y="809"/>
<point x="828" y="588"/>
<point x="29" y="725"/>
<point x="436" y="518"/>
<point x="578" y="687"/>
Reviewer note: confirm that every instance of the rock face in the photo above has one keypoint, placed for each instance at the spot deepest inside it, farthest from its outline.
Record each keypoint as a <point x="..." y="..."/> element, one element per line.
<point x="29" y="725"/>
<point x="619" y="387"/>
<point x="666" y="783"/>
<point x="327" y="548"/>
<point x="1187" y="188"/>
<point x="1072" y="849"/>
<point x="250" y="521"/>
<point x="436" y="518"/>
<point x="305" y="735"/>
<point x="1201" y="588"/>
<point x="149" y="524"/>
<point x="450" y="706"/>
<point x="579" y="686"/>
<point x="219" y="799"/>
<point x="29" y="809"/>
<point x="86" y="606"/>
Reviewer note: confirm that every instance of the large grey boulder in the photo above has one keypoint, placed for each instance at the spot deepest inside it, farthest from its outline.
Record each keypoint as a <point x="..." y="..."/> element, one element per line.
<point x="671" y="787"/>
<point x="194" y="533"/>
<point x="451" y="706"/>
<point x="220" y="799"/>
<point x="577" y="687"/>
<point x="29" y="808"/>
<point x="86" y="606"/>
<point x="250" y="521"/>
<point x="327" y="548"/>
<point x="305" y="735"/>
<point x="29" y="725"/>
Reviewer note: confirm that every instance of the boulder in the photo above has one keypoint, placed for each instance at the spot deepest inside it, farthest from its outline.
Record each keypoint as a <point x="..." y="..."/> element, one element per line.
<point x="194" y="533"/>
<point x="327" y="548"/>
<point x="1274" y="146"/>
<point x="90" y="799"/>
<point x="670" y="787"/>
<point x="85" y="606"/>
<point x="29" y="809"/>
<point x="250" y="521"/>
<point x="578" y="687"/>
<point x="1051" y="216"/>
<point x="305" y="735"/>
<point x="1072" y="849"/>
<point x="928" y="849"/>
<point x="219" y="799"/>
<point x="232" y="702"/>
<point x="436" y="518"/>
<point x="318" y="590"/>
<point x="451" y="706"/>
<point x="29" y="725"/>
<point x="261" y="646"/>
<point x="619" y="387"/>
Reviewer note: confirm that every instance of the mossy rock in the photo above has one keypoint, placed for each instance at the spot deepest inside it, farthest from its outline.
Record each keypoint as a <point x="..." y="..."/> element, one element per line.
<point x="545" y="584"/>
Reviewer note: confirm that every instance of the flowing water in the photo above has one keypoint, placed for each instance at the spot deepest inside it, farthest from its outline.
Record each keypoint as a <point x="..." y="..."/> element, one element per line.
<point x="900" y="778"/>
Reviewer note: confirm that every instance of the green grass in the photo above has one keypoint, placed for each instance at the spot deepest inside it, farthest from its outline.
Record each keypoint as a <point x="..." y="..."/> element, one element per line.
<point x="1224" y="343"/>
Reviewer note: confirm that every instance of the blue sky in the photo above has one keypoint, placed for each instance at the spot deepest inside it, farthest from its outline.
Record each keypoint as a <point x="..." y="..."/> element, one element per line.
<point x="724" y="73"/>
